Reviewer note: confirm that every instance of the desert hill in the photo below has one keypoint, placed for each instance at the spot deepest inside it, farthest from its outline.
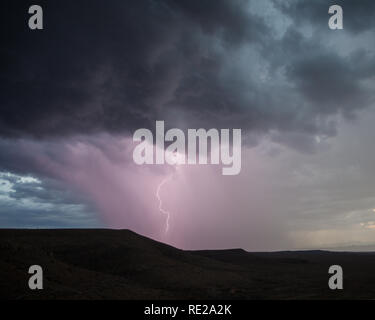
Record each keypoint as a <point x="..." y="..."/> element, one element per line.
<point x="120" y="264"/>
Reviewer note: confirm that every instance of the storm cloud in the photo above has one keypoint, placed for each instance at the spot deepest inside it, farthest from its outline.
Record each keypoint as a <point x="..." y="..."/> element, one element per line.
<point x="120" y="66"/>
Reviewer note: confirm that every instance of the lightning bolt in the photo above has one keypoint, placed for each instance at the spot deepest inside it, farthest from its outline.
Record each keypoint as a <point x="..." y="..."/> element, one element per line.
<point x="165" y="212"/>
<point x="161" y="184"/>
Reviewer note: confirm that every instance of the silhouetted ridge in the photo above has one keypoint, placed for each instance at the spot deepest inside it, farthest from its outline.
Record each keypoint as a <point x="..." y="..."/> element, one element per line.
<point x="120" y="264"/>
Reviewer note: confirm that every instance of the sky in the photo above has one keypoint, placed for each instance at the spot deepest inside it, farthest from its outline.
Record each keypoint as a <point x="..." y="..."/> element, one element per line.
<point x="73" y="94"/>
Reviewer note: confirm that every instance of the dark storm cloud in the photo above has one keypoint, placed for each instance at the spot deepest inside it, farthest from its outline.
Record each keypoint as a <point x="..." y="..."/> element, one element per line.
<point x="328" y="78"/>
<point x="104" y="66"/>
<point x="359" y="15"/>
<point x="121" y="65"/>
<point x="330" y="82"/>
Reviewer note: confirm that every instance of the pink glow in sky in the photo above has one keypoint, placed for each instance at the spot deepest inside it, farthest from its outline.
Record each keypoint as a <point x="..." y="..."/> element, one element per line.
<point x="204" y="205"/>
<point x="282" y="199"/>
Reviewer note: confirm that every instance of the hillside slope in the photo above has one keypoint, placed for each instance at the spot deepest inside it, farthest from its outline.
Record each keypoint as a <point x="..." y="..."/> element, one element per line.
<point x="120" y="264"/>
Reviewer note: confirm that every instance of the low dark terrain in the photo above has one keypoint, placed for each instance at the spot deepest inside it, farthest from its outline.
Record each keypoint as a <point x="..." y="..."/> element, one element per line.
<point x="109" y="264"/>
